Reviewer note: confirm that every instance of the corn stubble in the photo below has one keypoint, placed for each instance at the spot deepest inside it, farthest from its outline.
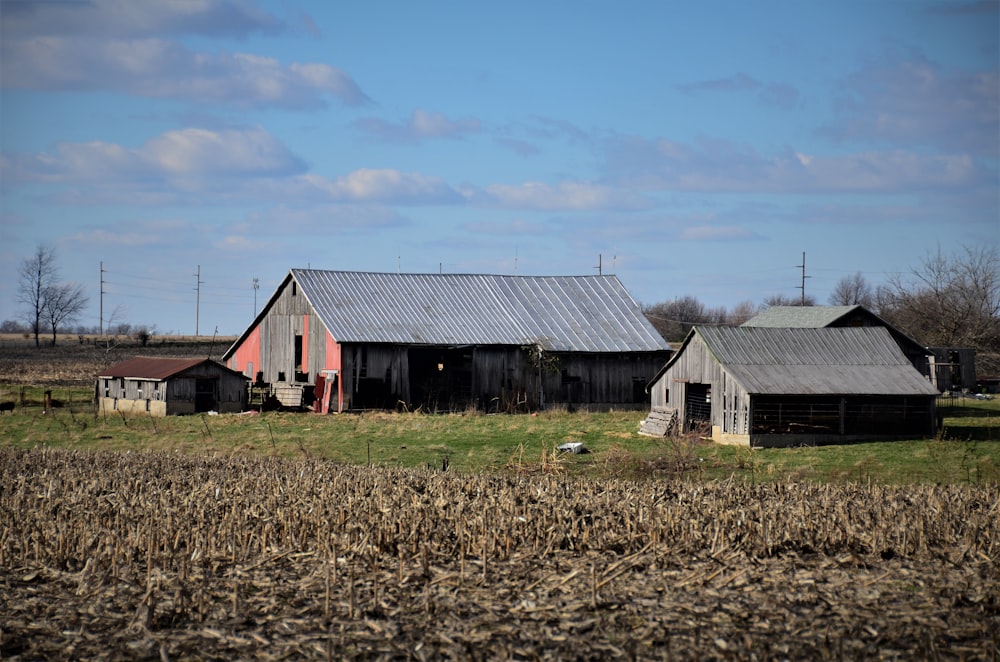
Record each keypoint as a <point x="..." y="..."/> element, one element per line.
<point x="164" y="556"/>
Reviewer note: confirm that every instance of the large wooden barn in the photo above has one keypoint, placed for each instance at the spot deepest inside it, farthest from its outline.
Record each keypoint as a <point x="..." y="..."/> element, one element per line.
<point x="167" y="386"/>
<point x="763" y="386"/>
<point x="339" y="341"/>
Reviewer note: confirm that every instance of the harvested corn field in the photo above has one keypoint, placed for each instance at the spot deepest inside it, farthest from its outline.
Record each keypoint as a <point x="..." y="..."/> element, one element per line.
<point x="165" y="556"/>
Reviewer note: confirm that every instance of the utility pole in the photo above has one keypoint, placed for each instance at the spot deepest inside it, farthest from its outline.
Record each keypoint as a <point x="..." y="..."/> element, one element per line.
<point x="101" y="311"/>
<point x="598" y="267"/>
<point x="804" y="276"/>
<point x="197" y="300"/>
<point x="256" y="286"/>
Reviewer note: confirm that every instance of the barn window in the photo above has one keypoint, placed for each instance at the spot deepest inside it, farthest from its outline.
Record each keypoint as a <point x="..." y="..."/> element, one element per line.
<point x="295" y="291"/>
<point x="666" y="395"/>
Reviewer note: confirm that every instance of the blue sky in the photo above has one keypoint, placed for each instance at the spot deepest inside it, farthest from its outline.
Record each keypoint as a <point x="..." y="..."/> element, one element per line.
<point x="694" y="149"/>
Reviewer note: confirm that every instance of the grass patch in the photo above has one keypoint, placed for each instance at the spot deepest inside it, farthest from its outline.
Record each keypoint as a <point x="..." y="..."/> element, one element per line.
<point x="967" y="450"/>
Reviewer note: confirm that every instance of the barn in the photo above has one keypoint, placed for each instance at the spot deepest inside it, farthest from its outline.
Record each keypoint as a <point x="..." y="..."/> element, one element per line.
<point x="947" y="367"/>
<point x="339" y="340"/>
<point x="169" y="386"/>
<point x="766" y="386"/>
<point x="821" y="317"/>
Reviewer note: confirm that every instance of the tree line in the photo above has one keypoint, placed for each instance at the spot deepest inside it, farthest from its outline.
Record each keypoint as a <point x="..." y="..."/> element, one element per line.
<point x="943" y="301"/>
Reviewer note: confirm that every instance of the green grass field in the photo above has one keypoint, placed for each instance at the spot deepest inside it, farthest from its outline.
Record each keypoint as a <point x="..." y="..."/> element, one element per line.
<point x="968" y="450"/>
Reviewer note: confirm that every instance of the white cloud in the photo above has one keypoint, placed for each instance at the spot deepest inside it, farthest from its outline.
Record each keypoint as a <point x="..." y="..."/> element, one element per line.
<point x="420" y="125"/>
<point x="915" y="102"/>
<point x="724" y="166"/>
<point x="779" y="95"/>
<point x="517" y="227"/>
<point x="241" y="244"/>
<point x="185" y="153"/>
<point x="566" y="195"/>
<point x="118" y="18"/>
<point x="321" y="219"/>
<point x="252" y="152"/>
<point x="384" y="185"/>
<point x="159" y="68"/>
<point x="141" y="233"/>
<point x="717" y="233"/>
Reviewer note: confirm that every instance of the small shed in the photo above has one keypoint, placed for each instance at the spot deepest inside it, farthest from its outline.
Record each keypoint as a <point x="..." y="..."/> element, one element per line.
<point x="169" y="386"/>
<point x="764" y="386"/>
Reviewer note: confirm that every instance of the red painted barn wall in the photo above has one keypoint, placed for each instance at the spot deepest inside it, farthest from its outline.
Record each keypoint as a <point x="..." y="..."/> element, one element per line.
<point x="248" y="352"/>
<point x="333" y="362"/>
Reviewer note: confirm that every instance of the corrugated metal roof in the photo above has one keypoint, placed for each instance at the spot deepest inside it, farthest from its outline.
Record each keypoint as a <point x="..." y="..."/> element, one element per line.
<point x="561" y="313"/>
<point x="803" y="317"/>
<point x="784" y="361"/>
<point x="143" y="367"/>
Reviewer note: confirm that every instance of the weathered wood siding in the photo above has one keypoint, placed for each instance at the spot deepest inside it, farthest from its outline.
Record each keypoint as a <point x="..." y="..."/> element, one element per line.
<point x="729" y="402"/>
<point x="491" y="378"/>
<point x="780" y="420"/>
<point x="289" y="315"/>
<point x="176" y="395"/>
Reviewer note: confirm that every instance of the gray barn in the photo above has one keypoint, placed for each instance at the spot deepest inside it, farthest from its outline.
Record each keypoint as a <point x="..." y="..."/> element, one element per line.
<point x="167" y="386"/>
<point x="763" y="386"/>
<point x="821" y="317"/>
<point x="338" y="341"/>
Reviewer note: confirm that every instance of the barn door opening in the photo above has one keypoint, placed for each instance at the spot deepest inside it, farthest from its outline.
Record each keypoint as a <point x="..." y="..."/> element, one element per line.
<point x="441" y="378"/>
<point x="206" y="395"/>
<point x="697" y="405"/>
<point x="300" y="370"/>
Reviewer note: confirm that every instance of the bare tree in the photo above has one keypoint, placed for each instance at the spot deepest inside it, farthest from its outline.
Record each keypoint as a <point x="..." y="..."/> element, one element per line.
<point x="45" y="299"/>
<point x="853" y="290"/>
<point x="674" y="319"/>
<point x="63" y="304"/>
<point x="950" y="301"/>
<point x="782" y="300"/>
<point x="741" y="312"/>
<point x="35" y="276"/>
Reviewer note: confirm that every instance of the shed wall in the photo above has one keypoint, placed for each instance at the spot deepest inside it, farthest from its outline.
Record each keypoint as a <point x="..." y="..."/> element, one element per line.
<point x="178" y="394"/>
<point x="730" y="403"/>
